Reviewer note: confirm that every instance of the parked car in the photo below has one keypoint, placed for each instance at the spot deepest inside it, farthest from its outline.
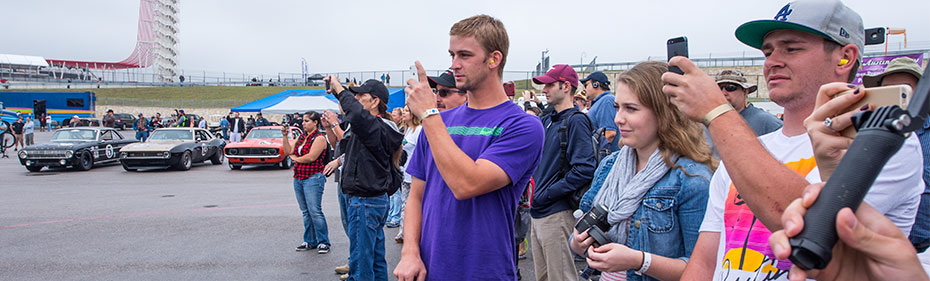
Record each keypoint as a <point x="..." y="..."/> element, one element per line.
<point x="84" y="122"/>
<point x="261" y="147"/>
<point x="124" y="121"/>
<point x="81" y="148"/>
<point x="175" y="148"/>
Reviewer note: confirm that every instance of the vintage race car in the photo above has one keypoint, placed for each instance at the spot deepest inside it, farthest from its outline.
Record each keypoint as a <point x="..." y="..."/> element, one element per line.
<point x="261" y="147"/>
<point x="175" y="148"/>
<point x="81" y="148"/>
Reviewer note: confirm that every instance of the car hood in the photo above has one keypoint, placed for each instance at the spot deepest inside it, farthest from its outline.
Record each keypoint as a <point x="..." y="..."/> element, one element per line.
<point x="257" y="143"/>
<point x="55" y="145"/>
<point x="153" y="145"/>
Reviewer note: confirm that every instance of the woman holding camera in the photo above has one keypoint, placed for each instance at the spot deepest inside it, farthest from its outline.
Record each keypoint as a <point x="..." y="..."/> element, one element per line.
<point x="309" y="154"/>
<point x="655" y="188"/>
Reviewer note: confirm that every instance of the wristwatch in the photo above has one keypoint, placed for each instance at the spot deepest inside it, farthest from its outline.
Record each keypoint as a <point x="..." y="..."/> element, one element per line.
<point x="428" y="113"/>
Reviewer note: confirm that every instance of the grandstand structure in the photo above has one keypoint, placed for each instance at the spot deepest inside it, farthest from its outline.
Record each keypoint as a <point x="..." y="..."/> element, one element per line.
<point x="155" y="51"/>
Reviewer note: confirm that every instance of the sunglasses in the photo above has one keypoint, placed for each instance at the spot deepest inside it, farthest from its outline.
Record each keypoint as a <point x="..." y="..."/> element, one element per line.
<point x="445" y="92"/>
<point x="729" y="88"/>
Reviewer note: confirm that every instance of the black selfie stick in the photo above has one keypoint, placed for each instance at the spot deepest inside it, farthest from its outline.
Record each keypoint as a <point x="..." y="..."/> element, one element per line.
<point x="881" y="134"/>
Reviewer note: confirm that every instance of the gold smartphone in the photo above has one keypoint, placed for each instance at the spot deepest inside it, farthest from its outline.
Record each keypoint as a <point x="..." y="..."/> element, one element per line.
<point x="898" y="95"/>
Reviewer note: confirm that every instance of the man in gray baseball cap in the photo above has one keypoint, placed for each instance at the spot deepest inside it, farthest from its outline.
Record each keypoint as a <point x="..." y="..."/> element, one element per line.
<point x="807" y="44"/>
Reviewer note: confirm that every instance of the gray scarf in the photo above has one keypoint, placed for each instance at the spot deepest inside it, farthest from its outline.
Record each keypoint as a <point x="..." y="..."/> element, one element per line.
<point x="624" y="188"/>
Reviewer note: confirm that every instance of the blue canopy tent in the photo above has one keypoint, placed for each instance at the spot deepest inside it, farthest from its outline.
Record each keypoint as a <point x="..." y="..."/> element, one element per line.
<point x="397" y="99"/>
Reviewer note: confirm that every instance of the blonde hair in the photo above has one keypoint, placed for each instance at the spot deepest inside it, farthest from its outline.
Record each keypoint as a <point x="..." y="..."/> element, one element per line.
<point x="676" y="133"/>
<point x="489" y="32"/>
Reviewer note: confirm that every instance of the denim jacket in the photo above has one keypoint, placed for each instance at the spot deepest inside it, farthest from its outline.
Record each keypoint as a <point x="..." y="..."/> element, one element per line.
<point x="667" y="221"/>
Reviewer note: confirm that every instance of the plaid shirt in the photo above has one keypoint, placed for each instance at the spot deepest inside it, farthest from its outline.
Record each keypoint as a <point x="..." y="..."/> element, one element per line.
<point x="301" y="148"/>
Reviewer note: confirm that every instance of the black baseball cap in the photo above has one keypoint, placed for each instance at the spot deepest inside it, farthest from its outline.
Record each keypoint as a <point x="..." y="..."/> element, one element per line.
<point x="445" y="79"/>
<point x="373" y="87"/>
<point x="598" y="76"/>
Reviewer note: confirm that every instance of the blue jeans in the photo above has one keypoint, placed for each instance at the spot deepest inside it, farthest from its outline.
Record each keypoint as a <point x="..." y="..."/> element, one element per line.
<point x="142" y="135"/>
<point x="366" y="237"/>
<point x="397" y="203"/>
<point x="309" y="193"/>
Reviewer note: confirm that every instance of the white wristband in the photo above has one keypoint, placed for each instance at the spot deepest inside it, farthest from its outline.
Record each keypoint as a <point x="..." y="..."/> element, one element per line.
<point x="647" y="261"/>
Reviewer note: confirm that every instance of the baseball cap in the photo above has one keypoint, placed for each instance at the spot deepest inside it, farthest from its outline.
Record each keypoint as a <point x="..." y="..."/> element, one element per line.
<point x="181" y="110"/>
<point x="897" y="65"/>
<point x="829" y="19"/>
<point x="598" y="76"/>
<point x="445" y="79"/>
<point x="735" y="77"/>
<point x="559" y="72"/>
<point x="373" y="87"/>
<point x="140" y="114"/>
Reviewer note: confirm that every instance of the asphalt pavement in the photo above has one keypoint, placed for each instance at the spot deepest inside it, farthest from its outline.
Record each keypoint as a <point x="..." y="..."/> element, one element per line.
<point x="208" y="223"/>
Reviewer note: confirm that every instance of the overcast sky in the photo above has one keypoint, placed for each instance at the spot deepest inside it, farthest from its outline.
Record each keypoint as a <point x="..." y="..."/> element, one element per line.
<point x="239" y="36"/>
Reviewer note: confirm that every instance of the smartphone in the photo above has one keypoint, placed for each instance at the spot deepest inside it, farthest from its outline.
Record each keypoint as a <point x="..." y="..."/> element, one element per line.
<point x="677" y="46"/>
<point x="899" y="95"/>
<point x="327" y="86"/>
<point x="875" y="36"/>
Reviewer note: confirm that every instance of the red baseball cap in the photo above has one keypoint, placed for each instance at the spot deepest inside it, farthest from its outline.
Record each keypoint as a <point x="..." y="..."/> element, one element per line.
<point x="559" y="72"/>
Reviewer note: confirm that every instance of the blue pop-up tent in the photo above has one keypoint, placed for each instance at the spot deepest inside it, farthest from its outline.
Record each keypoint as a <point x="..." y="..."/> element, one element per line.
<point x="397" y="98"/>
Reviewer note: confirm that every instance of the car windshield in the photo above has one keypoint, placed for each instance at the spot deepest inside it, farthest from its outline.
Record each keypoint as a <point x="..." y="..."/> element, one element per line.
<point x="70" y="135"/>
<point x="171" y="135"/>
<point x="264" y="134"/>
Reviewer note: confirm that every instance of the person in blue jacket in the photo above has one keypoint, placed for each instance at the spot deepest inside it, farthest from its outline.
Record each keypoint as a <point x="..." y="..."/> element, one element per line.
<point x="142" y="128"/>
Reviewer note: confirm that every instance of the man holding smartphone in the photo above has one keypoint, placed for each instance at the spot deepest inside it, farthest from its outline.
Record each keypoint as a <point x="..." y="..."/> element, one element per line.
<point x="809" y="43"/>
<point x="470" y="166"/>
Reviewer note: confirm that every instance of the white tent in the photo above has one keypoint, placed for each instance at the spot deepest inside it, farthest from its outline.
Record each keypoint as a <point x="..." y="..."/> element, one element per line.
<point x="302" y="104"/>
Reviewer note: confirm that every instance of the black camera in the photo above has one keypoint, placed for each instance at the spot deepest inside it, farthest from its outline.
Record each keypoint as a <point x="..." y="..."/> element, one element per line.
<point x="595" y="222"/>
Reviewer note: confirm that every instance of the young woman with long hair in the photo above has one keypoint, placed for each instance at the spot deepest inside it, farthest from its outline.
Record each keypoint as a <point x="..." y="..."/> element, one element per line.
<point x="410" y="142"/>
<point x="655" y="187"/>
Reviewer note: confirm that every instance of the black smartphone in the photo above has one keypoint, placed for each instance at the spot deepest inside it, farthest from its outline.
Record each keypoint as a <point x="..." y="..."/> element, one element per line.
<point x="677" y="46"/>
<point x="875" y="36"/>
<point x="327" y="85"/>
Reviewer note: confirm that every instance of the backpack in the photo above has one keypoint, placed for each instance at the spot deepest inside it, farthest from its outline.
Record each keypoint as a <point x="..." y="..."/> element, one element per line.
<point x="601" y="149"/>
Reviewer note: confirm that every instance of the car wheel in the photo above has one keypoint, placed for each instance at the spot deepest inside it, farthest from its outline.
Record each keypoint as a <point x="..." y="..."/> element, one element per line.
<point x="287" y="163"/>
<point x="86" y="162"/>
<point x="217" y="157"/>
<point x="34" y="168"/>
<point x="234" y="166"/>
<point x="129" y="169"/>
<point x="184" y="163"/>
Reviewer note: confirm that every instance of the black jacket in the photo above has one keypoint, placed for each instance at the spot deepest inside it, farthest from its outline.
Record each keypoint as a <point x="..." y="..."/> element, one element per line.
<point x="232" y="122"/>
<point x="553" y="190"/>
<point x="367" y="170"/>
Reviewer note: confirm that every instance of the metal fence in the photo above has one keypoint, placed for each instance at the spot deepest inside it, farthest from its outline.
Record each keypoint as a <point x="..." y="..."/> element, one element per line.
<point x="108" y="101"/>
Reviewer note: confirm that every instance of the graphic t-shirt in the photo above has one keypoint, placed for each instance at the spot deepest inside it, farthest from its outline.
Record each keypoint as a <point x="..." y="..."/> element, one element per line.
<point x="472" y="239"/>
<point x="744" y="253"/>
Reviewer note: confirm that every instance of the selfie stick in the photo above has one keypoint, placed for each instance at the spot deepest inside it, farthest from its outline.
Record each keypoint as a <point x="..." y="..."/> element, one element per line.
<point x="881" y="133"/>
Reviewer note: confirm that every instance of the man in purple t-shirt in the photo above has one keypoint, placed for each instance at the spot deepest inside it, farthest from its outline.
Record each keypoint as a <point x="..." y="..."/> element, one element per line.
<point x="470" y="166"/>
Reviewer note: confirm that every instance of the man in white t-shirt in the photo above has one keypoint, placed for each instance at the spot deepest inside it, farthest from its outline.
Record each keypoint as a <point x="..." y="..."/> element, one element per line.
<point x="804" y="49"/>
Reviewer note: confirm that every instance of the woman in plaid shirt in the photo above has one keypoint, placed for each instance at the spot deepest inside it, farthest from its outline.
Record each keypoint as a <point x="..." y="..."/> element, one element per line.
<point x="308" y="154"/>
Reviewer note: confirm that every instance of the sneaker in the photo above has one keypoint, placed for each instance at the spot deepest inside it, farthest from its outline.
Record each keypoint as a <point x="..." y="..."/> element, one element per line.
<point x="342" y="269"/>
<point x="323" y="249"/>
<point x="391" y="224"/>
<point x="344" y="277"/>
<point x="305" y="247"/>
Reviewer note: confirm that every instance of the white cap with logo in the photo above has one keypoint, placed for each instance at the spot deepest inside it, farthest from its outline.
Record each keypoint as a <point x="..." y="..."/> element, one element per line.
<point x="830" y="19"/>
